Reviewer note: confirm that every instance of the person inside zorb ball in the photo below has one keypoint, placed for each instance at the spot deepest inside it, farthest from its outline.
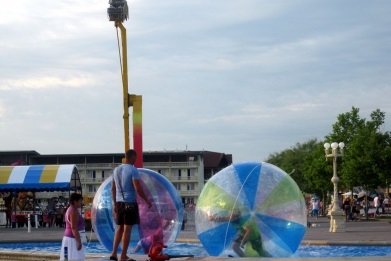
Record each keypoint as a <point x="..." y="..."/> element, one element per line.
<point x="163" y="218"/>
<point x="251" y="209"/>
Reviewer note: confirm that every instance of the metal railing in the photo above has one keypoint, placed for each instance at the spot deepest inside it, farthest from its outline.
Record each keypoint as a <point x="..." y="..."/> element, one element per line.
<point x="193" y="164"/>
<point x="92" y="180"/>
<point x="177" y="178"/>
<point x="188" y="192"/>
<point x="97" y="166"/>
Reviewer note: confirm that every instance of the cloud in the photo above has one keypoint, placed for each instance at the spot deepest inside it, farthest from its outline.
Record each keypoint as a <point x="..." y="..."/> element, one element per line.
<point x="247" y="78"/>
<point x="2" y="110"/>
<point x="46" y="82"/>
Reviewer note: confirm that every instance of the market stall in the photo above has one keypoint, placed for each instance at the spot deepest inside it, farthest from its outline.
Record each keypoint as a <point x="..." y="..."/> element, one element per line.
<point x="37" y="178"/>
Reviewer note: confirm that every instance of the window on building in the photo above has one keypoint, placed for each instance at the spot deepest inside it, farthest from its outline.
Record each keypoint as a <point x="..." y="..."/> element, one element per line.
<point x="190" y="186"/>
<point x="190" y="174"/>
<point x="179" y="174"/>
<point x="177" y="186"/>
<point x="91" y="189"/>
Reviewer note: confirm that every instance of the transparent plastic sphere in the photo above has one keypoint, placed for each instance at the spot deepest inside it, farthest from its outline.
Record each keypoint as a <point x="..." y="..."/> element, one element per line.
<point x="256" y="197"/>
<point x="166" y="213"/>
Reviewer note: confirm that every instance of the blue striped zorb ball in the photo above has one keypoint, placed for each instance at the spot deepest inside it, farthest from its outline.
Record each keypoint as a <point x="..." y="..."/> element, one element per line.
<point x="258" y="196"/>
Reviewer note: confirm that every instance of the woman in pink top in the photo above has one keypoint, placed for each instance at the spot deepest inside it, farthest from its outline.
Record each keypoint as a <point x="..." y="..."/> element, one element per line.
<point x="74" y="222"/>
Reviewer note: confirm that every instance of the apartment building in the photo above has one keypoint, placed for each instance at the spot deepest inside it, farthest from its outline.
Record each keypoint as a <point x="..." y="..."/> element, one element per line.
<point x="187" y="170"/>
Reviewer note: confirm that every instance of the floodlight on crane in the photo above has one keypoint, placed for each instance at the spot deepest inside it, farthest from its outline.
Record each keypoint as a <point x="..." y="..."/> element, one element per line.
<point x="118" y="10"/>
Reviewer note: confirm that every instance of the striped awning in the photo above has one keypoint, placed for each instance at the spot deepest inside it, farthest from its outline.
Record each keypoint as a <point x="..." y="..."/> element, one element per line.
<point x="39" y="178"/>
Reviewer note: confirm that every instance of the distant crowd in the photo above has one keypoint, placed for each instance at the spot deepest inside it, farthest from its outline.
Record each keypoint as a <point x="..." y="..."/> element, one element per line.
<point x="353" y="207"/>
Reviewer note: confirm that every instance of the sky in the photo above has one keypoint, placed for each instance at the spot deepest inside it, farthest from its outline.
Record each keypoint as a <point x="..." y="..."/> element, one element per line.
<point x="247" y="78"/>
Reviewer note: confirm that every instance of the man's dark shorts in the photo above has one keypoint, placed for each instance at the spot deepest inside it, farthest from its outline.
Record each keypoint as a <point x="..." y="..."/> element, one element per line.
<point x="127" y="216"/>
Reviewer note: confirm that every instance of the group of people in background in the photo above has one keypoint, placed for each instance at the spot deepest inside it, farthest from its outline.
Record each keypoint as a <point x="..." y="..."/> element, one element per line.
<point x="8" y="208"/>
<point x="380" y="204"/>
<point x="52" y="216"/>
<point x="55" y="217"/>
<point x="316" y="207"/>
<point x="351" y="208"/>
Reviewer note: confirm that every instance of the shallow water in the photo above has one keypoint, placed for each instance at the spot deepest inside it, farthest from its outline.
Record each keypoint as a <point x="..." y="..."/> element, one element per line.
<point x="198" y="250"/>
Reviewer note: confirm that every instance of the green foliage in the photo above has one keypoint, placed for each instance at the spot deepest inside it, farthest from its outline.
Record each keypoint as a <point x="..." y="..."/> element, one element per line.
<point x="366" y="161"/>
<point x="317" y="171"/>
<point x="291" y="160"/>
<point x="363" y="164"/>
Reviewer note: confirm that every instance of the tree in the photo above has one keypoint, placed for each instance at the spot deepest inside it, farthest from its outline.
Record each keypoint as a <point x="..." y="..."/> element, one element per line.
<point x="316" y="171"/>
<point x="291" y="160"/>
<point x="364" y="162"/>
<point x="367" y="154"/>
<point x="308" y="166"/>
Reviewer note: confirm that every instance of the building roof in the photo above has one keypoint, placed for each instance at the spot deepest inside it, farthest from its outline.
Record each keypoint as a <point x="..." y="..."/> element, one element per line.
<point x="216" y="159"/>
<point x="211" y="159"/>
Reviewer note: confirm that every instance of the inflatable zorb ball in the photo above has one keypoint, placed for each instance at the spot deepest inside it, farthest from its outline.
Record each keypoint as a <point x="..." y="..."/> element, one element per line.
<point x="164" y="217"/>
<point x="256" y="196"/>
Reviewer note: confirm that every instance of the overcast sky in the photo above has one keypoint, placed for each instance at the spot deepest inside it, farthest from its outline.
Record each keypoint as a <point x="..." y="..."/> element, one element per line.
<point x="248" y="77"/>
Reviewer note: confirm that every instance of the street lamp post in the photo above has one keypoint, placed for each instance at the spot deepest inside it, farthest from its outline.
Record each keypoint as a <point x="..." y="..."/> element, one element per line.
<point x="337" y="221"/>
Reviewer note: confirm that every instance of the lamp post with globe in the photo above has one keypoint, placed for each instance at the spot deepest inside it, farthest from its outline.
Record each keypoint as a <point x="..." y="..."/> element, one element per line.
<point x="337" y="222"/>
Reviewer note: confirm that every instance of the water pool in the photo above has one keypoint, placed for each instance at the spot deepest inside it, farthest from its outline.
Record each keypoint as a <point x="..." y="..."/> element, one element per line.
<point x="198" y="250"/>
